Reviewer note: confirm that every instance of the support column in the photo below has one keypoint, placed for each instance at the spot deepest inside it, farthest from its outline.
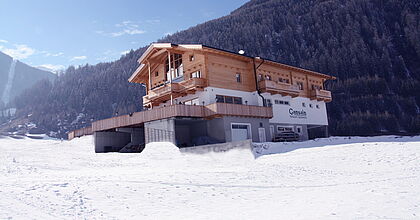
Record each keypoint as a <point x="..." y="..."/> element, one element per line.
<point x="170" y="74"/>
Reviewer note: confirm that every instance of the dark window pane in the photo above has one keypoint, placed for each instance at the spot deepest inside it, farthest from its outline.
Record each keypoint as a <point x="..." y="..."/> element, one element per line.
<point x="237" y="100"/>
<point x="228" y="99"/>
<point x="220" y="98"/>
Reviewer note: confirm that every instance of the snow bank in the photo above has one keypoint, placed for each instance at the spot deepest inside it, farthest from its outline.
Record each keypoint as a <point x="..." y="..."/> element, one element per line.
<point x="334" y="178"/>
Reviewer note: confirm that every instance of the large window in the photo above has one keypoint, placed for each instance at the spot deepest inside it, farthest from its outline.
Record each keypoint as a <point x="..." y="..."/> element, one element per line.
<point x="228" y="99"/>
<point x="177" y="69"/>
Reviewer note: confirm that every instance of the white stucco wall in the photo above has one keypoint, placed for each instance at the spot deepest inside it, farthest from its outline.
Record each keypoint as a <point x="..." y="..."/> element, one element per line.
<point x="289" y="114"/>
<point x="281" y="113"/>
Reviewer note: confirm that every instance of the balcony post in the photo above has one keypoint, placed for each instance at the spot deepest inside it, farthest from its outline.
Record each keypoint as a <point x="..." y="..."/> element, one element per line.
<point x="170" y="75"/>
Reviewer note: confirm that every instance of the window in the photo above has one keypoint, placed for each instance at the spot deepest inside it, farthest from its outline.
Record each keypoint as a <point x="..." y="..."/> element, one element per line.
<point x="300" y="85"/>
<point x="268" y="102"/>
<point x="281" y="102"/>
<point x="317" y="106"/>
<point x="267" y="77"/>
<point x="220" y="99"/>
<point x="228" y="99"/>
<point x="239" y="126"/>
<point x="196" y="74"/>
<point x="310" y="106"/>
<point x="303" y="104"/>
<point x="238" y="77"/>
<point x="284" y="128"/>
<point x="259" y="77"/>
<point x="191" y="58"/>
<point x="316" y="87"/>
<point x="283" y="80"/>
<point x="237" y="100"/>
<point x="192" y="102"/>
<point x="177" y="70"/>
<point x="157" y="73"/>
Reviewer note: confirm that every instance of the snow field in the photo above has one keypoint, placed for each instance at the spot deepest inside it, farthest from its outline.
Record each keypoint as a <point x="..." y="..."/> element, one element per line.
<point x="333" y="178"/>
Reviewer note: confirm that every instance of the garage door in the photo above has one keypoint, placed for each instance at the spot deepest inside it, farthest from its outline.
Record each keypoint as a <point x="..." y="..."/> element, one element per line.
<point x="240" y="132"/>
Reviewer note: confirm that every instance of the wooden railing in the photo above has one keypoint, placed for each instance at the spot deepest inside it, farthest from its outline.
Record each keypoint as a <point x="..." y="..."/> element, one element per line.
<point x="216" y="109"/>
<point x="193" y="83"/>
<point x="321" y="95"/>
<point x="79" y="132"/>
<point x="164" y="92"/>
<point x="274" y="87"/>
<point x="239" y="110"/>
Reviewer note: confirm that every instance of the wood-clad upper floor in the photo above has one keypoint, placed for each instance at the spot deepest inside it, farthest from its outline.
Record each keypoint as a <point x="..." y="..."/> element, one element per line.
<point x="170" y="70"/>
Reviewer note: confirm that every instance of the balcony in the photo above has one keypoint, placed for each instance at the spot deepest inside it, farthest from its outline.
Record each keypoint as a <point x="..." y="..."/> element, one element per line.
<point x="321" y="95"/>
<point x="197" y="111"/>
<point x="193" y="84"/>
<point x="163" y="93"/>
<point x="282" y="88"/>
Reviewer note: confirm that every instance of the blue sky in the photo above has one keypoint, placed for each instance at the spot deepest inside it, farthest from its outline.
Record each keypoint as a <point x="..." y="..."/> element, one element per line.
<point x="59" y="33"/>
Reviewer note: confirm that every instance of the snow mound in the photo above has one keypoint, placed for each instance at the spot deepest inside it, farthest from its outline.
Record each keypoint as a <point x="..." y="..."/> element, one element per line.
<point x="161" y="151"/>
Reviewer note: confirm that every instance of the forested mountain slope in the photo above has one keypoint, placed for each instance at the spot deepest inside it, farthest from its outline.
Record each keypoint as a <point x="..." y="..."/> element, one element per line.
<point x="16" y="76"/>
<point x="372" y="46"/>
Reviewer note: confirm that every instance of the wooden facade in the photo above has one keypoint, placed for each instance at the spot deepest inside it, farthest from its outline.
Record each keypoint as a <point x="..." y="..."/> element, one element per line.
<point x="221" y="69"/>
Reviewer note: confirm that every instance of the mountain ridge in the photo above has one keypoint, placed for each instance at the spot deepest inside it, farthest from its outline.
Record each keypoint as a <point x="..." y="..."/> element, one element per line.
<point x="373" y="47"/>
<point x="23" y="77"/>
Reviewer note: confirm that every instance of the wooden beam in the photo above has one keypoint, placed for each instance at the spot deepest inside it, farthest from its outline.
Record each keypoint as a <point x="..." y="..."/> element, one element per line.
<point x="150" y="77"/>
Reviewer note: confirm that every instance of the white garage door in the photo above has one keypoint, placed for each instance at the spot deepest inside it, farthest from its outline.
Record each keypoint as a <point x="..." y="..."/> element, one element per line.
<point x="240" y="132"/>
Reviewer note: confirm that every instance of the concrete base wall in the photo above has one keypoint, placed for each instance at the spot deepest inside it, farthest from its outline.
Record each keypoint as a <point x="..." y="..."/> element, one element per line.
<point x="160" y="131"/>
<point x="136" y="134"/>
<point x="110" y="141"/>
<point x="254" y="122"/>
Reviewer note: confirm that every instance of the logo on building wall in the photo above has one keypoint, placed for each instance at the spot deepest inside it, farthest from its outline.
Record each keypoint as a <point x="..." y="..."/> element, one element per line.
<point x="297" y="114"/>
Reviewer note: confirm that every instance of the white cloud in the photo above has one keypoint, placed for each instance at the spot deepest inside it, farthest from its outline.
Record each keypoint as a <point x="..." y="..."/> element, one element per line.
<point x="78" y="58"/>
<point x="153" y="21"/>
<point x="125" y="52"/>
<point x="20" y="52"/>
<point x="48" y="54"/>
<point x="51" y="67"/>
<point x="3" y="41"/>
<point x="126" y="28"/>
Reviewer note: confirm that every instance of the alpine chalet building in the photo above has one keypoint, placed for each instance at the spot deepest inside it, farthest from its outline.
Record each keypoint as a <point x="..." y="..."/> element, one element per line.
<point x="198" y="95"/>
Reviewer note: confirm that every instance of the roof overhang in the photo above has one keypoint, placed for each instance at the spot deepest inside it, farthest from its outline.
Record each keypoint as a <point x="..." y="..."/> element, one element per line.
<point x="157" y="49"/>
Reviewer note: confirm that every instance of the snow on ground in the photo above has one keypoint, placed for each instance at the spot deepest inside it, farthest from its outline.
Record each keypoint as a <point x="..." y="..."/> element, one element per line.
<point x="334" y="178"/>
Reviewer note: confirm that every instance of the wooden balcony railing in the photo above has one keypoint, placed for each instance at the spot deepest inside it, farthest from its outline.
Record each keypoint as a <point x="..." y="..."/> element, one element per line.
<point x="282" y="88"/>
<point x="79" y="132"/>
<point x="193" y="83"/>
<point x="164" y="92"/>
<point x="321" y="95"/>
<point x="198" y="111"/>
